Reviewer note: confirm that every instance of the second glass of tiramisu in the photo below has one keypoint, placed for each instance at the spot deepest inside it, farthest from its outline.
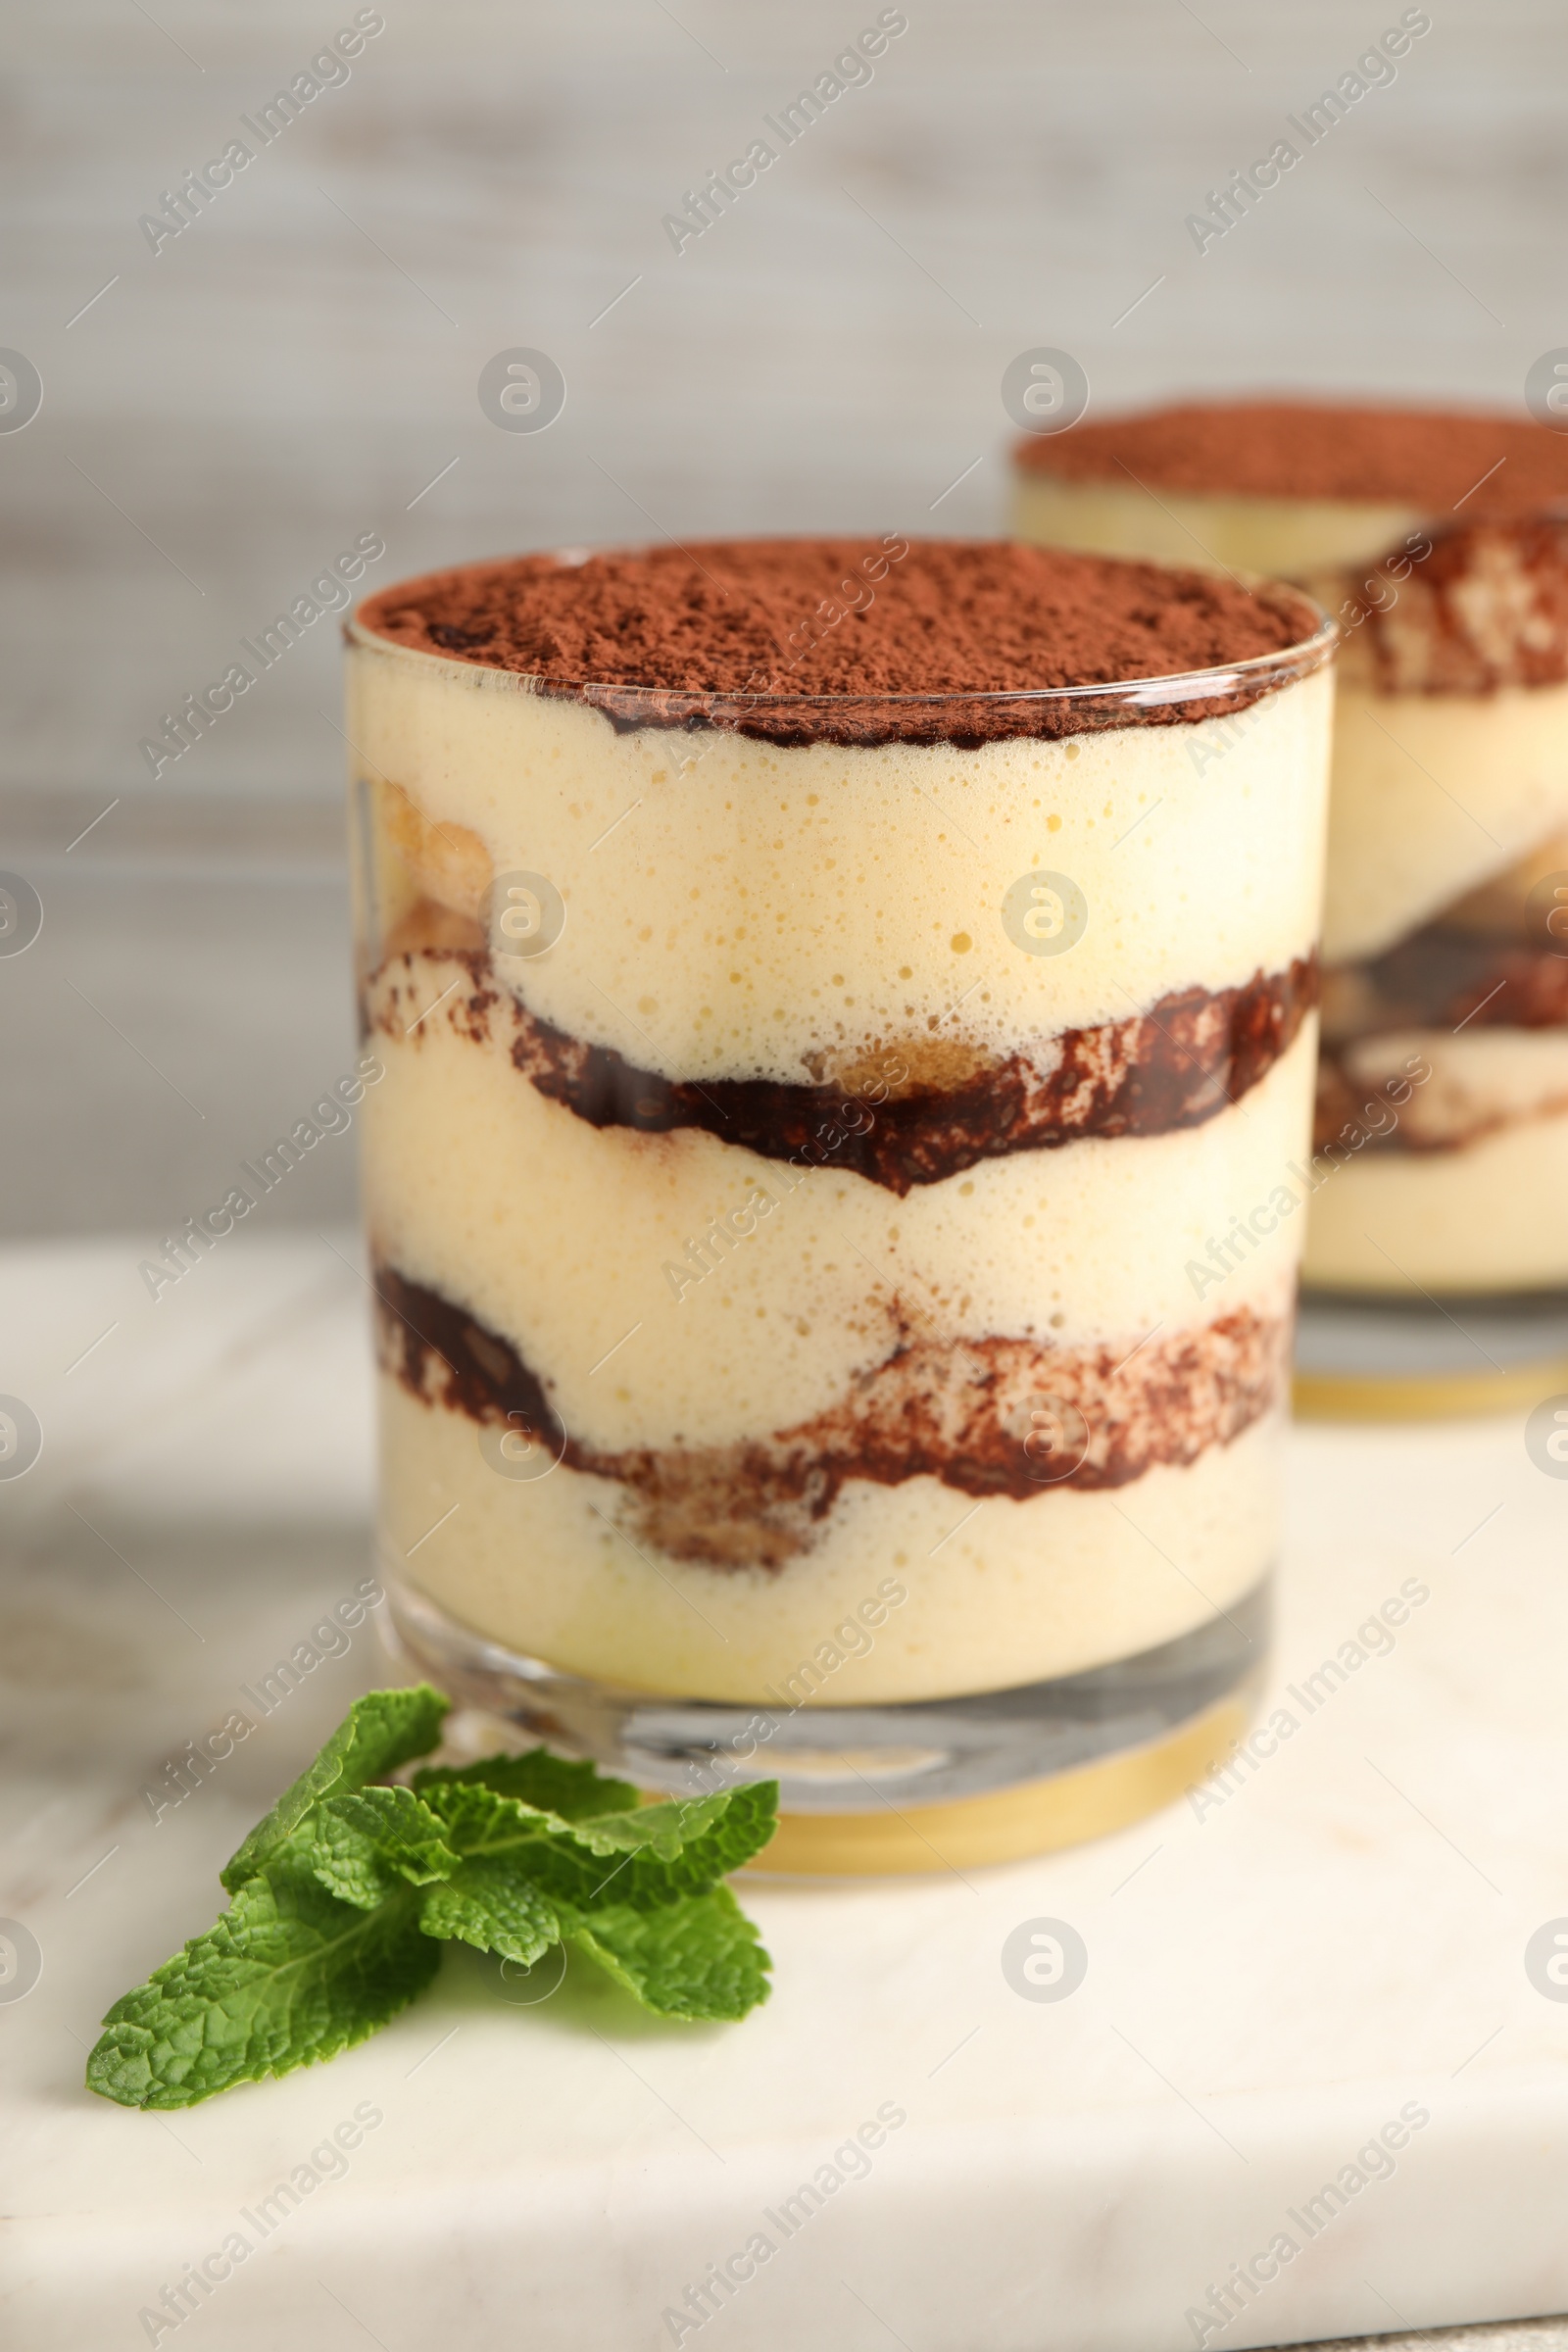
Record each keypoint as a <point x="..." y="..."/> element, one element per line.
<point x="1438" y="1241"/>
<point x="848" y="1020"/>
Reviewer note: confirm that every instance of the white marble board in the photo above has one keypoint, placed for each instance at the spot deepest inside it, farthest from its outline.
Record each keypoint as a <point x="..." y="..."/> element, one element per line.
<point x="1271" y="1980"/>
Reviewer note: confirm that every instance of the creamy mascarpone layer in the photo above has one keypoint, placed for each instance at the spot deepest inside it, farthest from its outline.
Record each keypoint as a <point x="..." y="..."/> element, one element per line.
<point x="1489" y="1217"/>
<point x="1281" y="538"/>
<point x="1021" y="1592"/>
<point x="738" y="909"/>
<point x="560" y="1235"/>
<point x="1430" y="792"/>
<point x="1481" y="1079"/>
<point x="1431" y="795"/>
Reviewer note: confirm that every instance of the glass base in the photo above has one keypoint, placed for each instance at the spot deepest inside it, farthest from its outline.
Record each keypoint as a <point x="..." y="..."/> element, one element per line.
<point x="905" y="1786"/>
<point x="1364" y="1359"/>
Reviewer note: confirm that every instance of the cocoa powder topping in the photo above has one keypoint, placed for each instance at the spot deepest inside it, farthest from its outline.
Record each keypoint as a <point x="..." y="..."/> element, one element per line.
<point x="1425" y="458"/>
<point x="774" y="625"/>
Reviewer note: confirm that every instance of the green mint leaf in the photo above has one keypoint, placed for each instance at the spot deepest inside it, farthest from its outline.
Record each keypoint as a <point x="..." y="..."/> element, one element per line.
<point x="382" y="1730"/>
<point x="492" y="1904"/>
<point x="665" y="1830"/>
<point x="656" y="1855"/>
<point x="551" y="1783"/>
<point x="685" y="1847"/>
<point x="699" y="1958"/>
<point x="344" y="1894"/>
<point x="363" y="1848"/>
<point x="474" y="1820"/>
<point x="288" y="1975"/>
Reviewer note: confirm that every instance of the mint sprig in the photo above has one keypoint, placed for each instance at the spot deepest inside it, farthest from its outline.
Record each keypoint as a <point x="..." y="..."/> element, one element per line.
<point x="382" y="1731"/>
<point x="344" y="1894"/>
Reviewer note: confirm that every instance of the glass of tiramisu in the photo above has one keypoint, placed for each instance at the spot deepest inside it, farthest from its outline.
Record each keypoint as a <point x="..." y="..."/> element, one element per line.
<point x="1438" y="1240"/>
<point x="848" y="1017"/>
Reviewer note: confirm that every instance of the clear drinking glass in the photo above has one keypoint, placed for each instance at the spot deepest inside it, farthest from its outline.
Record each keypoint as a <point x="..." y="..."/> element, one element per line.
<point x="1438" y="1253"/>
<point x="899" y="1419"/>
<point x="1436" y="1268"/>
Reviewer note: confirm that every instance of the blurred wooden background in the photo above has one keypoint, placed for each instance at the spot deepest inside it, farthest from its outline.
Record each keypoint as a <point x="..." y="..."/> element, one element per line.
<point x="298" y="365"/>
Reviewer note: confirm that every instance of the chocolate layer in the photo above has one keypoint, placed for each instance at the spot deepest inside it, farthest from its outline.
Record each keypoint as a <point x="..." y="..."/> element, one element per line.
<point x="1491" y="973"/>
<point x="1442" y="979"/>
<point x="1356" y="1116"/>
<point x="1428" y="460"/>
<point x="802" y="641"/>
<point x="1175" y="1066"/>
<point x="987" y="1416"/>
<point x="1485" y="607"/>
<point x="1355" y="1110"/>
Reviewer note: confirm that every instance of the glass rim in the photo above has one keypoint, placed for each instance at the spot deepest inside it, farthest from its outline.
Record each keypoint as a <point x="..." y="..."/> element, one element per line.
<point x="1249" y="678"/>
